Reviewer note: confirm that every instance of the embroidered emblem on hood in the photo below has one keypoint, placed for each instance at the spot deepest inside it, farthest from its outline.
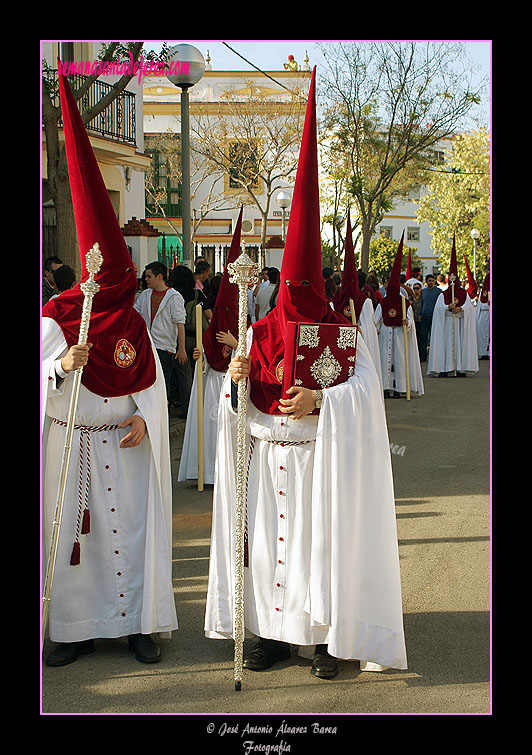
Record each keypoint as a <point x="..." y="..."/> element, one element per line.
<point x="124" y="353"/>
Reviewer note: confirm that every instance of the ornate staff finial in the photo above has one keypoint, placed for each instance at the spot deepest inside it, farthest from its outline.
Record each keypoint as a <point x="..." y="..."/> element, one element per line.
<point x="90" y="288"/>
<point x="243" y="270"/>
<point x="93" y="261"/>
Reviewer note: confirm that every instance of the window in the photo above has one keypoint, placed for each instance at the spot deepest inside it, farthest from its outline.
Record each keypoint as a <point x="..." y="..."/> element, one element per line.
<point x="412" y="234"/>
<point x="163" y="187"/>
<point x="385" y="232"/>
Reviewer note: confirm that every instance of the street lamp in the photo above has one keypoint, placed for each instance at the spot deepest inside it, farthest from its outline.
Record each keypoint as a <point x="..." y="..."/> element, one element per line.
<point x="283" y="200"/>
<point x="474" y="235"/>
<point x="187" y="66"/>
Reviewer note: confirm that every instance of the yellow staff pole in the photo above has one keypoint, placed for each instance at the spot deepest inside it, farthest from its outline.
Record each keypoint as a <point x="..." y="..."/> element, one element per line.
<point x="403" y="305"/>
<point x="199" y="391"/>
<point x="352" y="308"/>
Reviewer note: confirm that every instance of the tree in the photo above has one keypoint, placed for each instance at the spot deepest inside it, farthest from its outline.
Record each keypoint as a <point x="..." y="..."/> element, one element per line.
<point x="458" y="200"/>
<point x="57" y="170"/>
<point x="387" y="105"/>
<point x="253" y="142"/>
<point x="382" y="253"/>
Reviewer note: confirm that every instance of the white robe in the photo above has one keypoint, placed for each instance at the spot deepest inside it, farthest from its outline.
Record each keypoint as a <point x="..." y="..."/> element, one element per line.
<point x="392" y="355"/>
<point x="368" y="330"/>
<point x="123" y="583"/>
<point x="188" y="465"/>
<point x="483" y="328"/>
<point x="324" y="564"/>
<point x="441" y="352"/>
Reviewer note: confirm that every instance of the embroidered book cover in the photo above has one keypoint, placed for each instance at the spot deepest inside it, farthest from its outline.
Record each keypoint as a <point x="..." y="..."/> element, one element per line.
<point x="318" y="355"/>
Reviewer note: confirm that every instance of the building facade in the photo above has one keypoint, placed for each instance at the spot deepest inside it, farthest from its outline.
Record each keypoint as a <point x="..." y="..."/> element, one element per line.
<point x="239" y="120"/>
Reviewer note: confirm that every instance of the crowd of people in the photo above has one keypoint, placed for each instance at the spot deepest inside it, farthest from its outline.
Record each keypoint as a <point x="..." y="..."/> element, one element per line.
<point x="320" y="549"/>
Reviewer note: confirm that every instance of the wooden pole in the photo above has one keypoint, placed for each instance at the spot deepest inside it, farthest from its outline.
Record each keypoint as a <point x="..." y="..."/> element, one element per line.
<point x="352" y="308"/>
<point x="199" y="391"/>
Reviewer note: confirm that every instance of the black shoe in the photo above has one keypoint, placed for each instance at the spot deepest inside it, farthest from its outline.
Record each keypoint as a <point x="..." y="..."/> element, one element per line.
<point x="396" y="394"/>
<point x="265" y="653"/>
<point x="145" y="649"/>
<point x="68" y="652"/>
<point x="324" y="665"/>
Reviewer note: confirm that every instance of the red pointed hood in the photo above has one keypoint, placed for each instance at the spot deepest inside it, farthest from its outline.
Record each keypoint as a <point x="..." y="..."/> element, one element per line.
<point x="472" y="290"/>
<point x="349" y="288"/>
<point x="225" y="312"/>
<point x="392" y="313"/>
<point x="301" y="295"/>
<point x="121" y="360"/>
<point x="484" y="291"/>
<point x="460" y="293"/>
<point x="409" y="265"/>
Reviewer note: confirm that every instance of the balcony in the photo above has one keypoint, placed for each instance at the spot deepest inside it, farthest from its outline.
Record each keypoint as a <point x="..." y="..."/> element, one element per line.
<point x="117" y="121"/>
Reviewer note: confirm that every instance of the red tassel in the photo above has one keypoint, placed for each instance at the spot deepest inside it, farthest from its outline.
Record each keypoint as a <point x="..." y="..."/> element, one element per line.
<point x="74" y="558"/>
<point x="86" y="523"/>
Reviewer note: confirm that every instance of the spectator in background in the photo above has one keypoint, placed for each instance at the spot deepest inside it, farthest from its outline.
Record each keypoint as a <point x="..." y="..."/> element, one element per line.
<point x="330" y="287"/>
<point x="265" y="279"/>
<point x="382" y="287"/>
<point x="64" y="278"/>
<point x="214" y="286"/>
<point x="442" y="282"/>
<point x="48" y="284"/>
<point x="163" y="311"/>
<point x="371" y="288"/>
<point x="262" y="299"/>
<point x="201" y="274"/>
<point x="416" y="307"/>
<point x="183" y="280"/>
<point x="275" y="292"/>
<point x="429" y="295"/>
<point x="251" y="305"/>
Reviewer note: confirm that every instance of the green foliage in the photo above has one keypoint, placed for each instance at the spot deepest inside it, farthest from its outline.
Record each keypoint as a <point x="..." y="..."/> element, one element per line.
<point x="458" y="200"/>
<point x="382" y="253"/>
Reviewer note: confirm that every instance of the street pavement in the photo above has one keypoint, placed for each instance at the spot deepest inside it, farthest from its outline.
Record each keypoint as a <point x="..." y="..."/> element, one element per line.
<point x="440" y="451"/>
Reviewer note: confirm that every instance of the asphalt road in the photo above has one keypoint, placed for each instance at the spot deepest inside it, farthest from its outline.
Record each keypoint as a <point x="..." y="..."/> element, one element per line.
<point x="440" y="448"/>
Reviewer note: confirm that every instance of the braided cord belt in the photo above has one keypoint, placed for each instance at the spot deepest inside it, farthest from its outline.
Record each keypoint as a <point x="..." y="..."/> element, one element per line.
<point x="290" y="442"/>
<point x="83" y="517"/>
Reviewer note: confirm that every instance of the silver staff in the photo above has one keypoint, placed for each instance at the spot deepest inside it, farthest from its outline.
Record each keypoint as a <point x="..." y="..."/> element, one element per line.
<point x="242" y="272"/>
<point x="94" y="261"/>
<point x="452" y="279"/>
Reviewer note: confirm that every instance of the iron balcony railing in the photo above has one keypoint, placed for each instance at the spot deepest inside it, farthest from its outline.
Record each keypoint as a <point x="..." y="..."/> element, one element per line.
<point x="117" y="121"/>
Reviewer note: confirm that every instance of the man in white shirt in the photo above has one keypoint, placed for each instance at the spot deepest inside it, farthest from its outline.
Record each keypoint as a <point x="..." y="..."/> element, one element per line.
<point x="262" y="299"/>
<point x="163" y="310"/>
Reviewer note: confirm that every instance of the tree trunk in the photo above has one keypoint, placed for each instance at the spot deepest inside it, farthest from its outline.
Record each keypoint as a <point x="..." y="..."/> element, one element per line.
<point x="59" y="186"/>
<point x="66" y="226"/>
<point x="366" y="231"/>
